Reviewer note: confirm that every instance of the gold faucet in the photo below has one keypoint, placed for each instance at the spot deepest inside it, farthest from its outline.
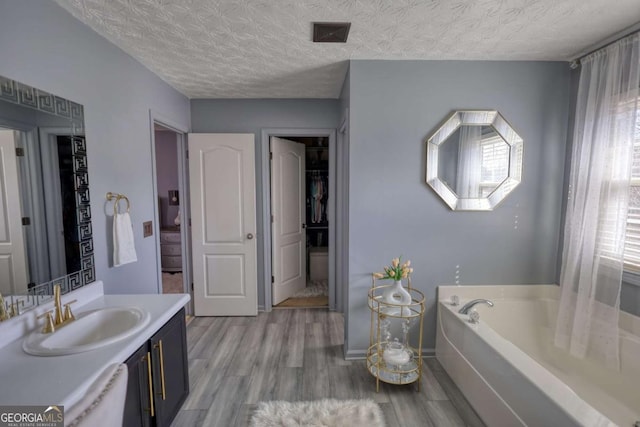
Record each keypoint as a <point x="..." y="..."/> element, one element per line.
<point x="3" y="310"/>
<point x="60" y="317"/>
<point x="57" y="318"/>
<point x="14" y="309"/>
<point x="49" y="327"/>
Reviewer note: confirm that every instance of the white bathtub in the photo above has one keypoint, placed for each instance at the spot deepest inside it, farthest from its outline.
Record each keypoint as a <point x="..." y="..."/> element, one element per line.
<point x="512" y="374"/>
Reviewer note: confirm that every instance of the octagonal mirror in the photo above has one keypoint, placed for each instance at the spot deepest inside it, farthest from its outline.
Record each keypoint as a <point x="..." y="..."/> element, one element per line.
<point x="474" y="160"/>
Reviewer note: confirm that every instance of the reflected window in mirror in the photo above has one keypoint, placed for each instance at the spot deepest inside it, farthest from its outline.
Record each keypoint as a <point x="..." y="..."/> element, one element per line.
<point x="474" y="160"/>
<point x="46" y="230"/>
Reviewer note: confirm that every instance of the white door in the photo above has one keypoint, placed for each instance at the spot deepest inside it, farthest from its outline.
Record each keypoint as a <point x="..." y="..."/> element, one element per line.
<point x="223" y="215"/>
<point x="288" y="210"/>
<point x="13" y="267"/>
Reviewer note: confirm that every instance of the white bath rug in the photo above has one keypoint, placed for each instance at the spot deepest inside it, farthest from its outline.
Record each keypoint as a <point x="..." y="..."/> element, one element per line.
<point x="315" y="288"/>
<point x="318" y="413"/>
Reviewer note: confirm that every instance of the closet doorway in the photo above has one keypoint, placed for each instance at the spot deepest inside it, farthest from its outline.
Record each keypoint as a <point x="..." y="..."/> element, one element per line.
<point x="300" y="251"/>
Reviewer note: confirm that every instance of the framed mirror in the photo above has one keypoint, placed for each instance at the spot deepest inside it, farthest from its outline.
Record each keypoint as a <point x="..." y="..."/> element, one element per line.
<point x="474" y="160"/>
<point x="45" y="229"/>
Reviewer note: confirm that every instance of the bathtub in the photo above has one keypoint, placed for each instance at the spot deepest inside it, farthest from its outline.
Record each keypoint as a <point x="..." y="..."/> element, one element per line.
<point x="511" y="373"/>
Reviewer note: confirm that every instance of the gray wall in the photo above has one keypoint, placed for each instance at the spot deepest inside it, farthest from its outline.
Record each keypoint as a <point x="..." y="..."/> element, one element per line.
<point x="43" y="46"/>
<point x="253" y="115"/>
<point x="395" y="105"/>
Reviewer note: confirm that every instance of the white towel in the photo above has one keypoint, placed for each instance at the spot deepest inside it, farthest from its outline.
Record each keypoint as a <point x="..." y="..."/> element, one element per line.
<point x="124" y="250"/>
<point x="103" y="403"/>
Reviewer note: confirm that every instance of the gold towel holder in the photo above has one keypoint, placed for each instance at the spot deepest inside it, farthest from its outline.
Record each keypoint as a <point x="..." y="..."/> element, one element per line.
<point x="111" y="196"/>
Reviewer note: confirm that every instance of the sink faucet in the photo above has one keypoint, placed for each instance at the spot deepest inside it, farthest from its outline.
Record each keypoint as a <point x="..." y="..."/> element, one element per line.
<point x="465" y="309"/>
<point x="3" y="310"/>
<point x="57" y="317"/>
<point x="14" y="309"/>
<point x="62" y="317"/>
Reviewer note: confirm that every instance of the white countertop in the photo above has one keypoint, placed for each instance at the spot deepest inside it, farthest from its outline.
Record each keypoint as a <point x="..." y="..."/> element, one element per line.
<point x="63" y="380"/>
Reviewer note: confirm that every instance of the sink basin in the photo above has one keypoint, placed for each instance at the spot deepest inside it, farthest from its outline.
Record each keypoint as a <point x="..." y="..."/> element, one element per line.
<point x="91" y="330"/>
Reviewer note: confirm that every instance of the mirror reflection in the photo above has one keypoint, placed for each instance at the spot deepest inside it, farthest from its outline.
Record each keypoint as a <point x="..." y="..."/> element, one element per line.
<point x="474" y="160"/>
<point x="45" y="220"/>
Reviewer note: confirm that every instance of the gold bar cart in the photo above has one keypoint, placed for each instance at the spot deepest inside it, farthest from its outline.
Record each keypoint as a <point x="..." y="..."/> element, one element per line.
<point x="385" y="317"/>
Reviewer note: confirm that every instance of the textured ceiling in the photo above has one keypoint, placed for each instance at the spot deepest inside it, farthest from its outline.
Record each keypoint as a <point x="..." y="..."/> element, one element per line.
<point x="263" y="48"/>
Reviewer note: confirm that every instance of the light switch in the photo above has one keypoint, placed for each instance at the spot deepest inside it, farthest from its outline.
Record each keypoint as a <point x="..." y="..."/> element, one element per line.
<point x="147" y="228"/>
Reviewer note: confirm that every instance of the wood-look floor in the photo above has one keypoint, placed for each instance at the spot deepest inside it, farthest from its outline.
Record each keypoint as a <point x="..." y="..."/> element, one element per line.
<point x="296" y="354"/>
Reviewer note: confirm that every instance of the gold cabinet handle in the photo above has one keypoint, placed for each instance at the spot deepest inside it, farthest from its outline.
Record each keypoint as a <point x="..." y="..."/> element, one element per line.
<point x="161" y="352"/>
<point x="152" y="410"/>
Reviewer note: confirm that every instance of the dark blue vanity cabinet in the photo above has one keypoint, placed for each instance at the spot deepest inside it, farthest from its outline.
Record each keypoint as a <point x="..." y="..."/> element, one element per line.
<point x="158" y="377"/>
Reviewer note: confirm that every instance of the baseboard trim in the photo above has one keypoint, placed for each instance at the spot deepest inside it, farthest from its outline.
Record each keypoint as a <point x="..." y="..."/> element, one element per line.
<point x="428" y="352"/>
<point x="362" y="354"/>
<point x="355" y="354"/>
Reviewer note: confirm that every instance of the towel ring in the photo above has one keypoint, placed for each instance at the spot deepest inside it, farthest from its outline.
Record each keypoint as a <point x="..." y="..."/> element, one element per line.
<point x="118" y="197"/>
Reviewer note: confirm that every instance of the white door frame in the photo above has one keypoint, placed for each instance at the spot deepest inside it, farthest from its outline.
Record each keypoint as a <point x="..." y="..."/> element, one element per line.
<point x="334" y="294"/>
<point x="183" y="188"/>
<point x="342" y="213"/>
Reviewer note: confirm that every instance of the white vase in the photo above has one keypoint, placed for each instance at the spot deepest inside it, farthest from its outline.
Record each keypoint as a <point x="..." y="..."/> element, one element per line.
<point x="398" y="295"/>
<point x="396" y="354"/>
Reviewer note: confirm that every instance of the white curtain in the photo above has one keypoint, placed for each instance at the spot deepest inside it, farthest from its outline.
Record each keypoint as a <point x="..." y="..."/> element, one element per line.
<point x="601" y="159"/>
<point x="469" y="162"/>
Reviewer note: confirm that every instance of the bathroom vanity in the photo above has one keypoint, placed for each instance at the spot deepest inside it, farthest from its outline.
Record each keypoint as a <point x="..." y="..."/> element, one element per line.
<point x="158" y="377"/>
<point x="155" y="355"/>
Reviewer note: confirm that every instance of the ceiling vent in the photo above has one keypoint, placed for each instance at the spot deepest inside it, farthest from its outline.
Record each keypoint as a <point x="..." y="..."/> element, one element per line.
<point x="331" y="32"/>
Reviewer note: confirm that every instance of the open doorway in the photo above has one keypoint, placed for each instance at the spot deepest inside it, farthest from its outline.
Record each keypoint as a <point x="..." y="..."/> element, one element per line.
<point x="169" y="217"/>
<point x="173" y="247"/>
<point x="301" y="247"/>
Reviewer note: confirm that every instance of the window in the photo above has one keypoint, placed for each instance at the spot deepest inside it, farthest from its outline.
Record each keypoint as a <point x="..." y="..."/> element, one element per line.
<point x="632" y="241"/>
<point x="494" y="163"/>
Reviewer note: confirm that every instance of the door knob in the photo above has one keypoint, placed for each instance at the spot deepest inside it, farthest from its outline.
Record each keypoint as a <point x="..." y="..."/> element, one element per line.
<point x="249" y="236"/>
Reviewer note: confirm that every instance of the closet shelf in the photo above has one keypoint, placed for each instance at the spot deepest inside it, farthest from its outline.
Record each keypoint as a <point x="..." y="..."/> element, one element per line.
<point x="317" y="227"/>
<point x="317" y="170"/>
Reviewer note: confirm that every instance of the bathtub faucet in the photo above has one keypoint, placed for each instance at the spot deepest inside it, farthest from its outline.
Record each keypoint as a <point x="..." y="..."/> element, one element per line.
<point x="468" y="306"/>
